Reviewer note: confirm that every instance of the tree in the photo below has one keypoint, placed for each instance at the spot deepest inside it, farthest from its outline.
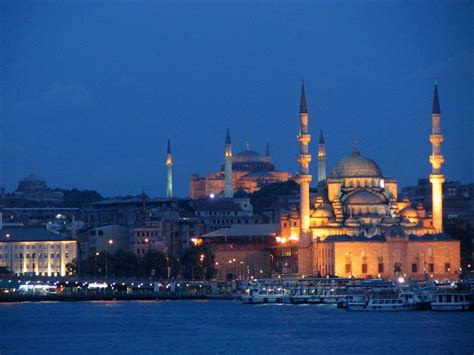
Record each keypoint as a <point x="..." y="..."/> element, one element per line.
<point x="71" y="268"/>
<point x="155" y="264"/>
<point x="198" y="263"/>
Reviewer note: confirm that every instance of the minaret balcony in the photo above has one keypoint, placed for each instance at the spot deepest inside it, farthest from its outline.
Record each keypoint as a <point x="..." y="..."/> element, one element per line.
<point x="303" y="179"/>
<point x="436" y="139"/>
<point x="304" y="159"/>
<point x="436" y="161"/>
<point x="304" y="138"/>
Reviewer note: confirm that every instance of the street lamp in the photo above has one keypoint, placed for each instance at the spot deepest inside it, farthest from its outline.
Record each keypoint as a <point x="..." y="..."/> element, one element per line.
<point x="106" y="257"/>
<point x="95" y="264"/>
<point x="8" y="235"/>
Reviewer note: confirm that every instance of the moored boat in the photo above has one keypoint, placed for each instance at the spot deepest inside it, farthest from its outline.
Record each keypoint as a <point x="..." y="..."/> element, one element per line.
<point x="406" y="301"/>
<point x="452" y="301"/>
<point x="261" y="295"/>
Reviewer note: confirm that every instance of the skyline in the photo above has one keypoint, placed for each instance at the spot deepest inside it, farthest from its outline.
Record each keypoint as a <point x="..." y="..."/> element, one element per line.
<point x="117" y="98"/>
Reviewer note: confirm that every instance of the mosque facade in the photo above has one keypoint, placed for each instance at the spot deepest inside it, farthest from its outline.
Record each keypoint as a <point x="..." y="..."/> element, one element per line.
<point x="357" y="225"/>
<point x="247" y="170"/>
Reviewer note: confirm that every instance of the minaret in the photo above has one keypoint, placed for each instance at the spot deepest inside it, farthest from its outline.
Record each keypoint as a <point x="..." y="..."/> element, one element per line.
<point x="304" y="179"/>
<point x="267" y="153"/>
<point x="169" y="177"/>
<point x="436" y="160"/>
<point x="321" y="158"/>
<point x="228" y="191"/>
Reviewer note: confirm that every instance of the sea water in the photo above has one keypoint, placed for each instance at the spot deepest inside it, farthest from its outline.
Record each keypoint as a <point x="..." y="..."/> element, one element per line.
<point x="226" y="327"/>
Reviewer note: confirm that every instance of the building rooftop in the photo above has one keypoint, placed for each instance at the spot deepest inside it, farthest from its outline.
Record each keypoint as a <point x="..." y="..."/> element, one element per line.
<point x="30" y="234"/>
<point x="255" y="230"/>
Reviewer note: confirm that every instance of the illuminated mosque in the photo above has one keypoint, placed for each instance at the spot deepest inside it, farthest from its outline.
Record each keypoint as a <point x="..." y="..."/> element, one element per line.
<point x="247" y="170"/>
<point x="357" y="226"/>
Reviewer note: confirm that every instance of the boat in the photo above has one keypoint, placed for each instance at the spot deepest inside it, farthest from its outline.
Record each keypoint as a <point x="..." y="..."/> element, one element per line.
<point x="405" y="301"/>
<point x="452" y="301"/>
<point x="306" y="295"/>
<point x="261" y="295"/>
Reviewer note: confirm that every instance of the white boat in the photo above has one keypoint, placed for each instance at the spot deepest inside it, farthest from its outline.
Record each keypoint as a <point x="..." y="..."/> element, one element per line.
<point x="307" y="295"/>
<point x="406" y="301"/>
<point x="451" y="301"/>
<point x="266" y="295"/>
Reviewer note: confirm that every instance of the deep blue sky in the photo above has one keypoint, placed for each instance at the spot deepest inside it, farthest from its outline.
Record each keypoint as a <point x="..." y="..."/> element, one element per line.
<point x="91" y="90"/>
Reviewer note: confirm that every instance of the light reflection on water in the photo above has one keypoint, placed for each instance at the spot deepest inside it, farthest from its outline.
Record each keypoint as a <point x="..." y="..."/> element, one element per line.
<point x="226" y="327"/>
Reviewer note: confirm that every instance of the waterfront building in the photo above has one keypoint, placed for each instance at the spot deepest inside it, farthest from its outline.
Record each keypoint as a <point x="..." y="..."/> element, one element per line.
<point x="110" y="239"/>
<point x="242" y="252"/>
<point x="167" y="231"/>
<point x="247" y="170"/>
<point x="357" y="225"/>
<point x="36" y="251"/>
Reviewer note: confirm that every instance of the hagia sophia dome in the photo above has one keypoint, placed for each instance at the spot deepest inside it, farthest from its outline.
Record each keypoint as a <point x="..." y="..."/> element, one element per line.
<point x="356" y="165"/>
<point x="250" y="160"/>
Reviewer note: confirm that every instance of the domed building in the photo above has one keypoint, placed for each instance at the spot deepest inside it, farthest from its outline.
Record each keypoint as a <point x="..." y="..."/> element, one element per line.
<point x="250" y="171"/>
<point x="34" y="188"/>
<point x="357" y="226"/>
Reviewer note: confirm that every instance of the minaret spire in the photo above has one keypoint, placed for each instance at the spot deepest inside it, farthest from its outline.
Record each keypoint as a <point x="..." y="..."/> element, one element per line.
<point x="169" y="168"/>
<point x="267" y="150"/>
<point x="304" y="179"/>
<point x="228" y="189"/>
<point x="303" y="107"/>
<point x="321" y="158"/>
<point x="436" y="161"/>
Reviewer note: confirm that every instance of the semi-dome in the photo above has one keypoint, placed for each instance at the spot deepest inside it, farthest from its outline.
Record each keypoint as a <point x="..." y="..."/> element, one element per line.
<point x="364" y="197"/>
<point x="323" y="211"/>
<point x="356" y="165"/>
<point x="408" y="212"/>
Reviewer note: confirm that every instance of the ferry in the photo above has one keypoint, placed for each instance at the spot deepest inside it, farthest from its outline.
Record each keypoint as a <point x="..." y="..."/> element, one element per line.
<point x="452" y="301"/>
<point x="306" y="295"/>
<point x="261" y="295"/>
<point x="406" y="301"/>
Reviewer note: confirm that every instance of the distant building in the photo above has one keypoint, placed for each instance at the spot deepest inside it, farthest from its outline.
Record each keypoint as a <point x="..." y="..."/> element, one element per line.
<point x="168" y="231"/>
<point x="36" y="251"/>
<point x="242" y="252"/>
<point x="111" y="239"/>
<point x="248" y="169"/>
<point x="220" y="213"/>
<point x="34" y="188"/>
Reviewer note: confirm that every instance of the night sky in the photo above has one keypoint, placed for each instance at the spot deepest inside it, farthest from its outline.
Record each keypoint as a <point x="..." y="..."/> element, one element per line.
<point x="90" y="91"/>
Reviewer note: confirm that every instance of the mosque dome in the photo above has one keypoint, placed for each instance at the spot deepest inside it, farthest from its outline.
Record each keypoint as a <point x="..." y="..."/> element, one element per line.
<point x="323" y="212"/>
<point x="248" y="155"/>
<point x="408" y="212"/>
<point x="364" y="197"/>
<point x="356" y="165"/>
<point x="32" y="178"/>
<point x="250" y="160"/>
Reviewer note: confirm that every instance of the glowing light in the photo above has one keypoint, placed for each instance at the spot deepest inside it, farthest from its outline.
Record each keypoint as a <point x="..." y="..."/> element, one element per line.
<point x="212" y="195"/>
<point x="401" y="279"/>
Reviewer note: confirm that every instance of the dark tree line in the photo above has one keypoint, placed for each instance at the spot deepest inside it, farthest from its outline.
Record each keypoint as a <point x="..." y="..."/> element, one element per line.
<point x="197" y="263"/>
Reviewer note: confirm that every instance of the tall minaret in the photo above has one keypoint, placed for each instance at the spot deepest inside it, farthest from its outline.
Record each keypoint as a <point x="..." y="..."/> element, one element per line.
<point x="267" y="151"/>
<point x="228" y="191"/>
<point x="169" y="166"/>
<point x="436" y="160"/>
<point x="304" y="179"/>
<point x="321" y="158"/>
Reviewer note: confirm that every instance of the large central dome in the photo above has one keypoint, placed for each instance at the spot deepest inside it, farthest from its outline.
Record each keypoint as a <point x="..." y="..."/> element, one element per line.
<point x="356" y="165"/>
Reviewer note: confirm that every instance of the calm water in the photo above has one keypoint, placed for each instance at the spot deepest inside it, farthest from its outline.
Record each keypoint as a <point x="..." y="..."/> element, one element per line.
<point x="226" y="327"/>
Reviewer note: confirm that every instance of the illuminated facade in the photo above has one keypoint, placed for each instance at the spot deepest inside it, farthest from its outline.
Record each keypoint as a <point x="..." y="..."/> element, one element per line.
<point x="35" y="251"/>
<point x="357" y="225"/>
<point x="247" y="170"/>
